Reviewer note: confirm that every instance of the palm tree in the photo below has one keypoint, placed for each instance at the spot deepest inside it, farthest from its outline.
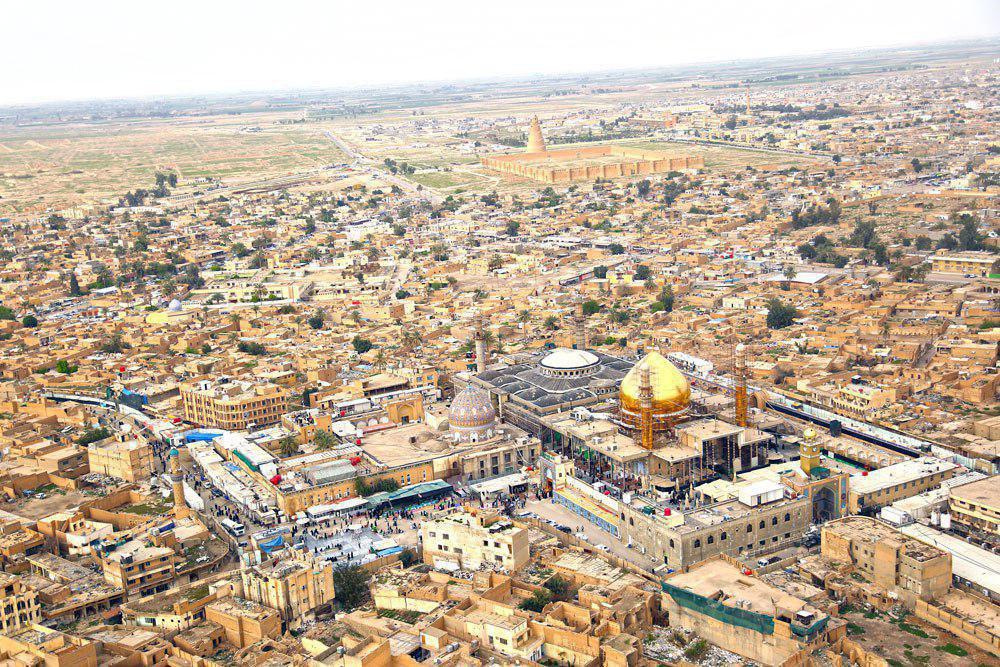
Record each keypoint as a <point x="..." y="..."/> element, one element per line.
<point x="380" y="360"/>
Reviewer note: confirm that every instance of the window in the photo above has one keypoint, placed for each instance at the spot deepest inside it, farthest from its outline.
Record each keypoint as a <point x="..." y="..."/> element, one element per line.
<point x="788" y="517"/>
<point x="722" y="538"/>
<point x="697" y="544"/>
<point x="761" y="526"/>
<point x="711" y="539"/>
<point x="774" y="521"/>
<point x="749" y="527"/>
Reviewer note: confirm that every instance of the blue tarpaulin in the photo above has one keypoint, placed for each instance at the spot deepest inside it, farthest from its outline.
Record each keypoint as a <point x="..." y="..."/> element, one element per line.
<point x="200" y="436"/>
<point x="276" y="542"/>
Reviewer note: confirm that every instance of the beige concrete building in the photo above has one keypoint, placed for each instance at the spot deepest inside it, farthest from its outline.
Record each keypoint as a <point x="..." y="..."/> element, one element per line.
<point x="976" y="506"/>
<point x="901" y="480"/>
<point x="296" y="587"/>
<point x="682" y="538"/>
<point x="963" y="263"/>
<point x="130" y="460"/>
<point x="473" y="539"/>
<point x="19" y="606"/>
<point x="244" y="622"/>
<point x="900" y="564"/>
<point x="38" y="645"/>
<point x="740" y="613"/>
<point x="233" y="405"/>
<point x="139" y="569"/>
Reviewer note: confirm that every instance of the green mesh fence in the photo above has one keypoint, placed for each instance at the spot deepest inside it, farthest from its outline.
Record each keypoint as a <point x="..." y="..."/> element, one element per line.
<point x="744" y="618"/>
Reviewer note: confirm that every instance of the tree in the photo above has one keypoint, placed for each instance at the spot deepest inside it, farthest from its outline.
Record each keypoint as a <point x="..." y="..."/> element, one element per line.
<point x="114" y="345"/>
<point x="789" y="274"/>
<point x="361" y="345"/>
<point x="560" y="588"/>
<point x="642" y="272"/>
<point x="380" y="361"/>
<point x="74" y="285"/>
<point x="317" y="319"/>
<point x="917" y="165"/>
<point x="402" y="293"/>
<point x="863" y="235"/>
<point x="93" y="435"/>
<point x="513" y="227"/>
<point x="616" y="248"/>
<point x="780" y="315"/>
<point x="536" y="602"/>
<point x="351" y="585"/>
<point x="551" y="323"/>
<point x="590" y="307"/>
<point x="969" y="237"/>
<point x="665" y="301"/>
<point x="192" y="278"/>
<point x="324" y="439"/>
<point x="29" y="321"/>
<point x="288" y="446"/>
<point x="65" y="367"/>
<point x="642" y="188"/>
<point x="601" y="272"/>
<point x="6" y="313"/>
<point x="923" y="243"/>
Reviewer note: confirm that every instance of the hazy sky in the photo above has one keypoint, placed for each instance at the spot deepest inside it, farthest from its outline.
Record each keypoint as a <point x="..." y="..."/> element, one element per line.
<point x="68" y="49"/>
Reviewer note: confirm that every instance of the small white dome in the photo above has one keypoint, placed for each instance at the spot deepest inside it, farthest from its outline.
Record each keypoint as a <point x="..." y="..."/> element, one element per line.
<point x="175" y="305"/>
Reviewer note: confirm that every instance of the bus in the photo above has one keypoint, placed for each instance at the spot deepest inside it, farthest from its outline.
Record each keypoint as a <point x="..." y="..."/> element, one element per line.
<point x="233" y="528"/>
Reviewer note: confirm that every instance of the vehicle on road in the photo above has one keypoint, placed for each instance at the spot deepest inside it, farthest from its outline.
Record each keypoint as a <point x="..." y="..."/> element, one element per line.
<point x="233" y="528"/>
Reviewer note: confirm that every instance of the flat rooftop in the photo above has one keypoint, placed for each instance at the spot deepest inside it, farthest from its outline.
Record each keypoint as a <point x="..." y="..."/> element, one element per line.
<point x="863" y="530"/>
<point x="979" y="566"/>
<point x="899" y="473"/>
<point x="726" y="583"/>
<point x="984" y="492"/>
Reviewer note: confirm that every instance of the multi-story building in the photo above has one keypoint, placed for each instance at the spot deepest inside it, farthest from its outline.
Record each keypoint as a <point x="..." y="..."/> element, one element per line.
<point x="862" y="401"/>
<point x="244" y="622"/>
<point x="503" y="458"/>
<point x="976" y="506"/>
<point x="130" y="460"/>
<point x="738" y="528"/>
<point x="19" y="606"/>
<point x="233" y="405"/>
<point x="901" y="480"/>
<point x="39" y="645"/>
<point x="911" y="569"/>
<point x="470" y="540"/>
<point x="297" y="587"/>
<point x="717" y="600"/>
<point x="963" y="263"/>
<point x="139" y="569"/>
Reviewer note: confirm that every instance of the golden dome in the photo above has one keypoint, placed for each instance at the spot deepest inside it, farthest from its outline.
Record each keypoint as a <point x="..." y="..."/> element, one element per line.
<point x="671" y="390"/>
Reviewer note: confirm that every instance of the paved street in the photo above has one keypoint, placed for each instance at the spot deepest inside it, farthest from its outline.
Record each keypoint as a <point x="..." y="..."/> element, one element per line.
<point x="546" y="509"/>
